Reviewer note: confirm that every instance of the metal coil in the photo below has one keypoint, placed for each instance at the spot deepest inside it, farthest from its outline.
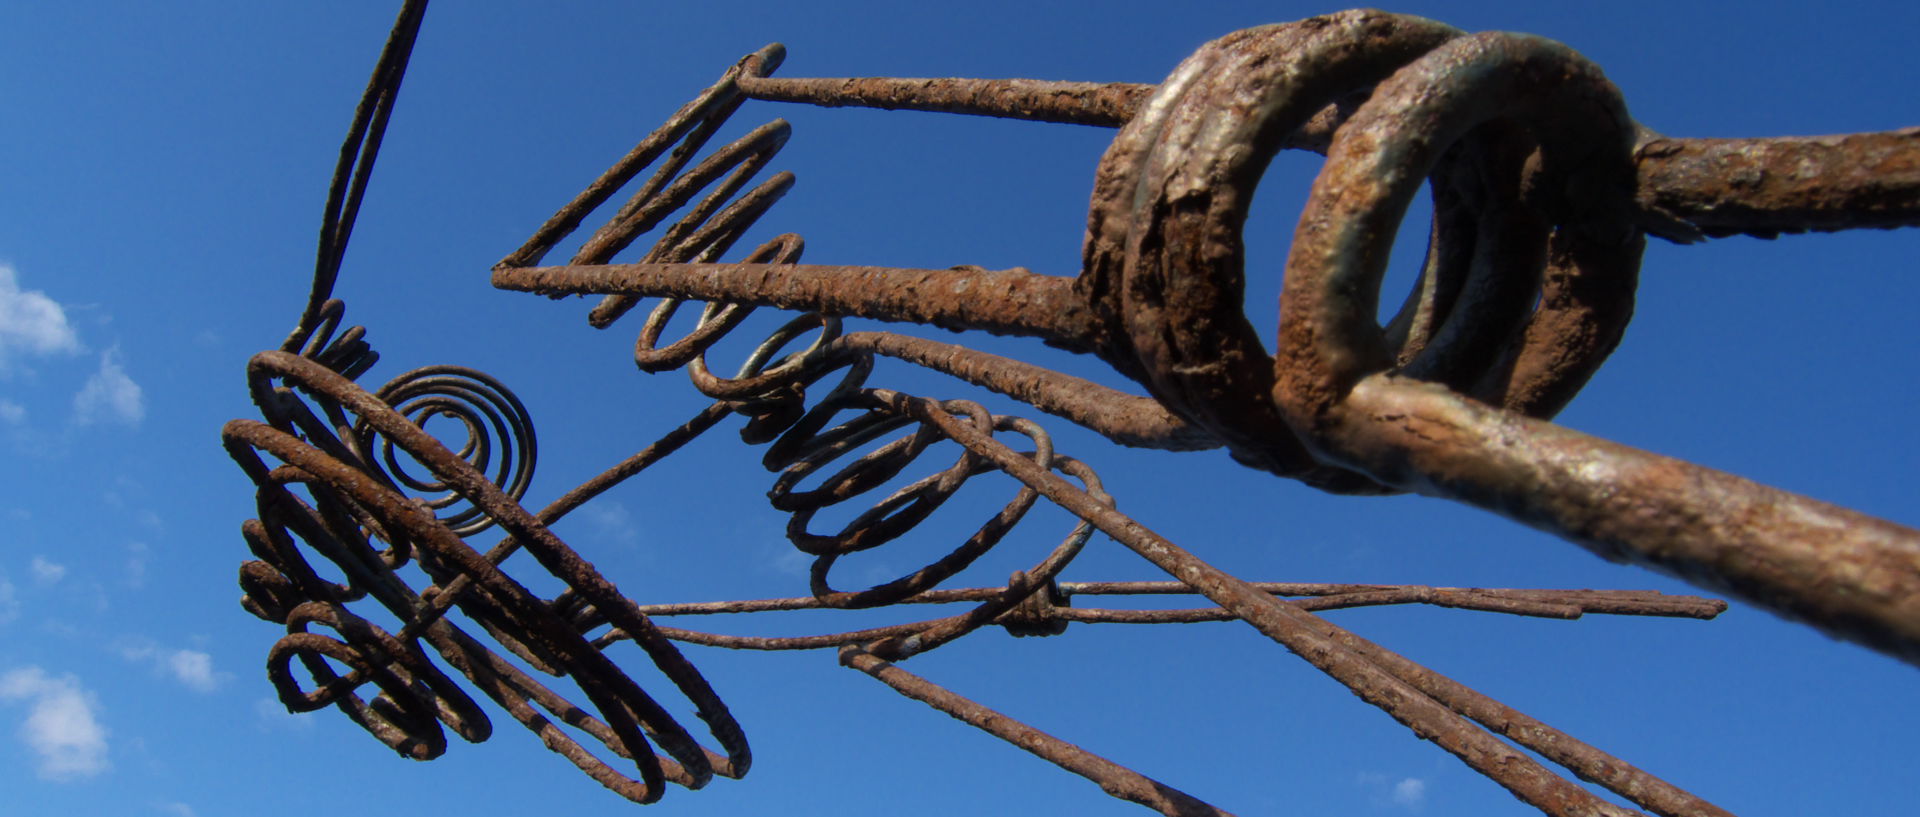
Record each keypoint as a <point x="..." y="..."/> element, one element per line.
<point x="1543" y="188"/>
<point x="498" y="437"/>
<point x="347" y="508"/>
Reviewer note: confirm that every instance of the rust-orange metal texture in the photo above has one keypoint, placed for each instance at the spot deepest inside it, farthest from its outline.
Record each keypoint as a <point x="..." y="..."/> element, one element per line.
<point x="1544" y="191"/>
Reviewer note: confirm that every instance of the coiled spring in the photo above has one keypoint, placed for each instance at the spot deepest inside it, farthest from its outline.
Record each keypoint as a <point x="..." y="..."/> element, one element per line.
<point x="1544" y="189"/>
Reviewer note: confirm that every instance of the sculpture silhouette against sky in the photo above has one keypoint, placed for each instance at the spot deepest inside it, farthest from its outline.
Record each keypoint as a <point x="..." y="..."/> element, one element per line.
<point x="1543" y="190"/>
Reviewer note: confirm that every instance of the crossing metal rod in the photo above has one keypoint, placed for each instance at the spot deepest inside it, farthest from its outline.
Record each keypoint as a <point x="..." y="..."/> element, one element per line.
<point x="1690" y="188"/>
<point x="1849" y="574"/>
<point x="1113" y="778"/>
<point x="1544" y="189"/>
<point x="1434" y="706"/>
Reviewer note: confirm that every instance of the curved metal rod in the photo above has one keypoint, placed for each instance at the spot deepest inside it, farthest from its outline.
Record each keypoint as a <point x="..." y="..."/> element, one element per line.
<point x="1852" y="575"/>
<point x="1543" y="188"/>
<point x="357" y="155"/>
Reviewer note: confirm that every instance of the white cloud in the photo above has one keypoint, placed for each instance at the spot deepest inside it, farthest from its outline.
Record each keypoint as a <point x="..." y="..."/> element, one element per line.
<point x="46" y="572"/>
<point x="62" y="725"/>
<point x="1411" y="792"/>
<point x="178" y="809"/>
<point x="30" y="322"/>
<point x="612" y="522"/>
<point x="110" y="395"/>
<point x="192" y="668"/>
<point x="12" y="413"/>
<point x="195" y="669"/>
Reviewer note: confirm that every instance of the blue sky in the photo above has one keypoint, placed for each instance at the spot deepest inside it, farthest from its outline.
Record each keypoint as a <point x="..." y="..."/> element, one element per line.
<point x="161" y="177"/>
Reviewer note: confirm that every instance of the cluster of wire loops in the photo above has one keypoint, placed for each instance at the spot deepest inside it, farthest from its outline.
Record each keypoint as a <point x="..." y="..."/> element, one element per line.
<point x="498" y="436"/>
<point x="1543" y="189"/>
<point x="332" y="499"/>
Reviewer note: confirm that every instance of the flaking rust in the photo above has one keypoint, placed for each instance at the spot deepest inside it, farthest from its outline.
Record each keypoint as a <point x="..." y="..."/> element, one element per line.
<point x="1528" y="289"/>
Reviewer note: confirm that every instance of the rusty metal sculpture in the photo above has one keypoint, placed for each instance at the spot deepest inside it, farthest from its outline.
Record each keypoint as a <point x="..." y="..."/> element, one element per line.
<point x="1543" y="186"/>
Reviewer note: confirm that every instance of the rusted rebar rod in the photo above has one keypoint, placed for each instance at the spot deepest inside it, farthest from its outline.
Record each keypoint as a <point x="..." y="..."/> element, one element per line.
<point x="1425" y="701"/>
<point x="1690" y="187"/>
<point x="1003" y="302"/>
<point x="1543" y="188"/>
<point x="1618" y="602"/>
<point x="1113" y="778"/>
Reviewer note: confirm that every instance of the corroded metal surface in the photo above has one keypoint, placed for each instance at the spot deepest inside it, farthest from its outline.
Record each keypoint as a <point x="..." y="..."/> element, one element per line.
<point x="1545" y="190"/>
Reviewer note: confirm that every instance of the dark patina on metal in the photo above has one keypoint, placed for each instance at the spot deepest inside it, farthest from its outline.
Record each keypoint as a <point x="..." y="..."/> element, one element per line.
<point x="1544" y="192"/>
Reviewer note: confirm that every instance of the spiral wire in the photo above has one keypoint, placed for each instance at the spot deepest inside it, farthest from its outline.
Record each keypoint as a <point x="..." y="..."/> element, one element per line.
<point x="1544" y="189"/>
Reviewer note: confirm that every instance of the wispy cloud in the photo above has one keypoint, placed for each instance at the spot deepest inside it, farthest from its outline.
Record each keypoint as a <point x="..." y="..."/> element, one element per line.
<point x="784" y="560"/>
<point x="1408" y="793"/>
<point x="62" y="726"/>
<point x="611" y="522"/>
<point x="110" y="395"/>
<point x="45" y="572"/>
<point x="12" y="413"/>
<point x="177" y="809"/>
<point x="192" y="668"/>
<point x="1411" y="793"/>
<point x="31" y="323"/>
<point x="136" y="565"/>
